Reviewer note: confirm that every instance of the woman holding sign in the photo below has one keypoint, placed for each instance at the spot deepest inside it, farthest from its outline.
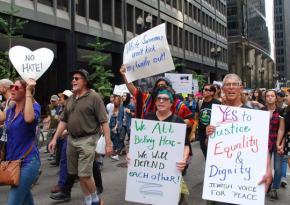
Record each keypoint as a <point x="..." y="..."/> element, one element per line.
<point x="21" y="121"/>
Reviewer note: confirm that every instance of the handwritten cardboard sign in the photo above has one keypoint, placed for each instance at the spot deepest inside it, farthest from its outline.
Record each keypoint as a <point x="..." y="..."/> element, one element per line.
<point x="30" y="64"/>
<point x="236" y="156"/>
<point x="120" y="89"/>
<point x="181" y="83"/>
<point x="148" y="54"/>
<point x="152" y="176"/>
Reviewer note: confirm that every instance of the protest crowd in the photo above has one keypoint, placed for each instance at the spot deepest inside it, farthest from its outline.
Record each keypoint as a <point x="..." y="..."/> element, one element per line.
<point x="81" y="129"/>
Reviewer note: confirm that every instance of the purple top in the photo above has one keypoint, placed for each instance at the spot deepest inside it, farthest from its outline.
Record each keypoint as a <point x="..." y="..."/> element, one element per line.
<point x="21" y="135"/>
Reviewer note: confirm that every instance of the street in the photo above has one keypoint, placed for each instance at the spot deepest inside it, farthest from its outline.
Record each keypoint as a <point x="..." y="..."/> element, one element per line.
<point x="114" y="180"/>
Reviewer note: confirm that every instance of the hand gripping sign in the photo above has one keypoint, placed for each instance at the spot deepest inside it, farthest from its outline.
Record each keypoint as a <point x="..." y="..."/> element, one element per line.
<point x="30" y="64"/>
<point x="148" y="54"/>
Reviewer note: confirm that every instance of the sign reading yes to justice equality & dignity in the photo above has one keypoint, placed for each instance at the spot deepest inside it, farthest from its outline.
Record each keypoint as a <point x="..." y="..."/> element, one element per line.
<point x="147" y="54"/>
<point x="152" y="176"/>
<point x="30" y="64"/>
<point x="236" y="155"/>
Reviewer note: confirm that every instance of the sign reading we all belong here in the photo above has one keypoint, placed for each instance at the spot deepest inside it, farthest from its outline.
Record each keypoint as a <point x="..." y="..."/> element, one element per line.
<point x="237" y="155"/>
<point x="152" y="175"/>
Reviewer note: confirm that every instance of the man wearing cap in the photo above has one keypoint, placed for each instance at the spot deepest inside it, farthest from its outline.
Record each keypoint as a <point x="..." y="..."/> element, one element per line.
<point x="83" y="117"/>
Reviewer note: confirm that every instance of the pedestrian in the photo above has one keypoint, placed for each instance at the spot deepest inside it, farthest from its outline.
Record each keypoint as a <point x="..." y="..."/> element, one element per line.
<point x="63" y="144"/>
<point x="20" y="123"/>
<point x="203" y="114"/>
<point x="232" y="89"/>
<point x="83" y="116"/>
<point x="275" y="143"/>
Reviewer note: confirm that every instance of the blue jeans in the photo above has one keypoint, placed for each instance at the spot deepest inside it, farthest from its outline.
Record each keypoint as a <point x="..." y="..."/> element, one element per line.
<point x="277" y="169"/>
<point x="63" y="164"/>
<point x="21" y="194"/>
<point x="284" y="167"/>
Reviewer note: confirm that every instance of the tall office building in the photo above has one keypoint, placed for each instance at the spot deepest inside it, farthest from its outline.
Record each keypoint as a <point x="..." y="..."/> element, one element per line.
<point x="282" y="40"/>
<point x="250" y="42"/>
<point x="196" y="32"/>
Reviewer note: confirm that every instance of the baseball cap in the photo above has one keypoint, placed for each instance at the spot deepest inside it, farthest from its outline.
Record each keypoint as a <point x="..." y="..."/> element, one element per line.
<point x="53" y="98"/>
<point x="67" y="93"/>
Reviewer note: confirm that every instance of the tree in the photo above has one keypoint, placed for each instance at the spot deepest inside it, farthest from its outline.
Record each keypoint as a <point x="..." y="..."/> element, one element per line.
<point x="201" y="79"/>
<point x="100" y="76"/>
<point x="11" y="25"/>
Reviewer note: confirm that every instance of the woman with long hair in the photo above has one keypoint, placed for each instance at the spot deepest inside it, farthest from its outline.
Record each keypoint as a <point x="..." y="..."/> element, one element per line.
<point x="21" y="121"/>
<point x="275" y="144"/>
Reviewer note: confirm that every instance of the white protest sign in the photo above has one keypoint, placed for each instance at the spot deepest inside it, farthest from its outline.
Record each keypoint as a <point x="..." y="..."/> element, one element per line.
<point x="236" y="156"/>
<point x="195" y="87"/>
<point x="181" y="83"/>
<point x="148" y="54"/>
<point x="152" y="176"/>
<point x="120" y="89"/>
<point x="30" y="64"/>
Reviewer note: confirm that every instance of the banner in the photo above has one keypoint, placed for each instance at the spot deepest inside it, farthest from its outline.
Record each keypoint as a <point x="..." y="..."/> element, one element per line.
<point x="152" y="176"/>
<point x="237" y="156"/>
<point x="30" y="64"/>
<point x="181" y="83"/>
<point x="147" y="54"/>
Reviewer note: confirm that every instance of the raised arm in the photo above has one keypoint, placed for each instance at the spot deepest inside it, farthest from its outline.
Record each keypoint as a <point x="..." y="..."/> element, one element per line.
<point x="131" y="87"/>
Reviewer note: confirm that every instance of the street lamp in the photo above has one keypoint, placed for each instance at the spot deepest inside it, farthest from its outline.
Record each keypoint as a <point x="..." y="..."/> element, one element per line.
<point x="141" y="26"/>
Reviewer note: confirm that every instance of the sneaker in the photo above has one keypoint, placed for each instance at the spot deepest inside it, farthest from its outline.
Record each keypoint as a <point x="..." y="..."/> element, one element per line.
<point x="116" y="157"/>
<point x="60" y="196"/>
<point x="283" y="182"/>
<point x="273" y="195"/>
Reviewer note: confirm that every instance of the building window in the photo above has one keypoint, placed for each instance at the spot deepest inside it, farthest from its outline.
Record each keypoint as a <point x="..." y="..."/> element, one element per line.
<point x="107" y="12"/>
<point x="62" y="4"/>
<point x="169" y="32"/>
<point x="190" y="42"/>
<point x="180" y="37"/>
<point x="186" y="40"/>
<point x="174" y="3"/>
<point x="190" y="10"/>
<point x="175" y="35"/>
<point x="94" y="12"/>
<point x="118" y="13"/>
<point x="195" y="45"/>
<point x="138" y="13"/>
<point x="185" y="7"/>
<point x="130" y="18"/>
<point x="46" y="2"/>
<point x="81" y="8"/>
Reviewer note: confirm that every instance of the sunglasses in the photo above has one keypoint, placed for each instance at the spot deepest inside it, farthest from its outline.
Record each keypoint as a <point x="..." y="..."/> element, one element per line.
<point x="16" y="87"/>
<point x="76" y="78"/>
<point x="163" y="99"/>
<point x="207" y="90"/>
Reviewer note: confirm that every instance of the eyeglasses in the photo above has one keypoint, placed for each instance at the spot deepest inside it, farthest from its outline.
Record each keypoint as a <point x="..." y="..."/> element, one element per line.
<point x="207" y="90"/>
<point x="16" y="87"/>
<point x="163" y="99"/>
<point x="234" y="85"/>
<point x="76" y="78"/>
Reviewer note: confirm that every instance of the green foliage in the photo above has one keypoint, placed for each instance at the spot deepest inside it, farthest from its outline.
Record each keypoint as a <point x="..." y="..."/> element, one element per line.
<point x="100" y="76"/>
<point x="11" y="27"/>
<point x="201" y="79"/>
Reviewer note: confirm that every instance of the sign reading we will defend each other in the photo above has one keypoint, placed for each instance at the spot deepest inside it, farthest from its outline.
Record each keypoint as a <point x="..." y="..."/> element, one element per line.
<point x="152" y="176"/>
<point x="181" y="83"/>
<point x="147" y="54"/>
<point x="30" y="64"/>
<point x="236" y="156"/>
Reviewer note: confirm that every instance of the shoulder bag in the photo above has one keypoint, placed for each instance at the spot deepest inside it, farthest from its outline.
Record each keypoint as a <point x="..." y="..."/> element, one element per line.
<point x="10" y="170"/>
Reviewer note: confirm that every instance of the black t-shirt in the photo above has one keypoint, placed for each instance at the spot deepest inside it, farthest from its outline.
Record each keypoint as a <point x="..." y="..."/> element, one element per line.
<point x="204" y="114"/>
<point x="286" y="115"/>
<point x="171" y="118"/>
